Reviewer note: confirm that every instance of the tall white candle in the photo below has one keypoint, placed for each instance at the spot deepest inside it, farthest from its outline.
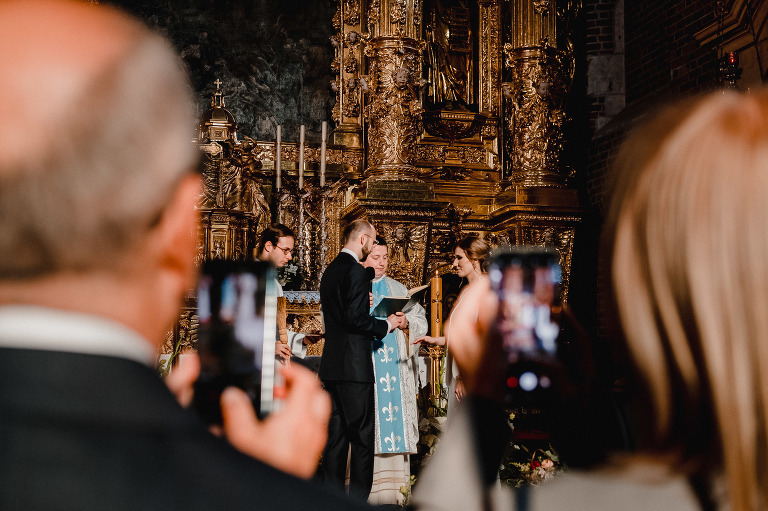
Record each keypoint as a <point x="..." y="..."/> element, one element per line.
<point x="278" y="145"/>
<point x="322" y="153"/>
<point x="301" y="157"/>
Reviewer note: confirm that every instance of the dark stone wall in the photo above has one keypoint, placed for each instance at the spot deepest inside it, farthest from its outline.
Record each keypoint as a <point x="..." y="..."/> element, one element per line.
<point x="273" y="57"/>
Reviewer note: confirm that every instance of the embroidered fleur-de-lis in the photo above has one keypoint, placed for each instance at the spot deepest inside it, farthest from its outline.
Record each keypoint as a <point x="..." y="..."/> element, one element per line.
<point x="387" y="381"/>
<point x="390" y="411"/>
<point x="392" y="440"/>
<point x="386" y="351"/>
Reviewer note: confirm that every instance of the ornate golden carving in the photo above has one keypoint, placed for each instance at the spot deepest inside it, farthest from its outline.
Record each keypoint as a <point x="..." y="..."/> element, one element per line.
<point x="397" y="14"/>
<point x="313" y="214"/>
<point x="336" y="20"/>
<point x="346" y="68"/>
<point x="490" y="62"/>
<point x="374" y="13"/>
<point x="351" y="66"/>
<point x="490" y="130"/>
<point x="452" y="124"/>
<point x="352" y="103"/>
<point x="541" y="7"/>
<point x="394" y="110"/>
<point x="532" y="24"/>
<point x="351" y="11"/>
<point x="183" y="335"/>
<point x="407" y="244"/>
<point x="394" y="18"/>
<point x="232" y="205"/>
<point x="225" y="234"/>
<point x="534" y="115"/>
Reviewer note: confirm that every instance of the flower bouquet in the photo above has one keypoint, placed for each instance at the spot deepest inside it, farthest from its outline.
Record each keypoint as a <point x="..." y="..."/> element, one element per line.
<point x="523" y="466"/>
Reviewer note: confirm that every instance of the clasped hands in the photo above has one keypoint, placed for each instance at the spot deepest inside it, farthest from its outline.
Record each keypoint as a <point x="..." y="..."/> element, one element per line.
<point x="398" y="320"/>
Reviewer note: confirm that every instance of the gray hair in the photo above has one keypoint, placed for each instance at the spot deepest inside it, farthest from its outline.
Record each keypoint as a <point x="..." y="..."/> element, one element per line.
<point x="104" y="169"/>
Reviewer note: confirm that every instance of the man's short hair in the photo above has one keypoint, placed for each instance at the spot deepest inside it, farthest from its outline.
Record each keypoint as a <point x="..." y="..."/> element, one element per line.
<point x="356" y="228"/>
<point x="102" y="167"/>
<point x="273" y="233"/>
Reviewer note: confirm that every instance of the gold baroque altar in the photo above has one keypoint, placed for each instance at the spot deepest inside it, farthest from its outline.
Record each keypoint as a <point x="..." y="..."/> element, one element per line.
<point x="448" y="120"/>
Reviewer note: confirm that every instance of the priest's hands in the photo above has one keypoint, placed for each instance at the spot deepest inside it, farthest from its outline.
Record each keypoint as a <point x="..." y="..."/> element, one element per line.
<point x="397" y="320"/>
<point x="305" y="414"/>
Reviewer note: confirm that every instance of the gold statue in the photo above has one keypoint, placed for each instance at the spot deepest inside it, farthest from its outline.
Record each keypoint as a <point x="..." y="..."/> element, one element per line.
<point x="449" y="52"/>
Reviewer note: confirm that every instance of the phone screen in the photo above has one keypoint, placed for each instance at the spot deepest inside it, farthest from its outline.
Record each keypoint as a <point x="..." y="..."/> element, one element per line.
<point x="527" y="282"/>
<point x="236" y="306"/>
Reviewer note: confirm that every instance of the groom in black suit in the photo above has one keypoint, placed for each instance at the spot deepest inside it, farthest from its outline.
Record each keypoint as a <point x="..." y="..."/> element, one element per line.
<point x="346" y="368"/>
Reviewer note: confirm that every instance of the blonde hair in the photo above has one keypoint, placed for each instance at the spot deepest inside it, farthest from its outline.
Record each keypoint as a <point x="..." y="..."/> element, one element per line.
<point x="690" y="276"/>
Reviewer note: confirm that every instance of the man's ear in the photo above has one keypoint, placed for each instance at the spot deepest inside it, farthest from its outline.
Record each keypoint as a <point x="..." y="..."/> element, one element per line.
<point x="173" y="240"/>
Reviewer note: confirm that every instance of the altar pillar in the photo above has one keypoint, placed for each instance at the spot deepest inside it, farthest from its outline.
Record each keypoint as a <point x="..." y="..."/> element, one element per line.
<point x="539" y="71"/>
<point x="393" y="107"/>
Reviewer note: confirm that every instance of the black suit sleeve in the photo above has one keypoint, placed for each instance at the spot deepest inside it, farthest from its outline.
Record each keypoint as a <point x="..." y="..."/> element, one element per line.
<point x="358" y="314"/>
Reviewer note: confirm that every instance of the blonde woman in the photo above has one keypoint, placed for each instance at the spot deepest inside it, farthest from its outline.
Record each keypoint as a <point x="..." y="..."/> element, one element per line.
<point x="469" y="262"/>
<point x="689" y="247"/>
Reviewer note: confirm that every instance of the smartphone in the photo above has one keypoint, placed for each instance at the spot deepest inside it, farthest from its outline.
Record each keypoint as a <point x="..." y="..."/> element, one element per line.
<point x="237" y="308"/>
<point x="527" y="281"/>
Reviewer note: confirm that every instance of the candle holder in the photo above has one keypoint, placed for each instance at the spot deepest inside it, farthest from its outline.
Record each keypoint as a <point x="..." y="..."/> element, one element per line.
<point x="312" y="211"/>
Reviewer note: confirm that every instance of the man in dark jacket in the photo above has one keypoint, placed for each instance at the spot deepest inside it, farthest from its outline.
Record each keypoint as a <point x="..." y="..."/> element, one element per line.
<point x="346" y="368"/>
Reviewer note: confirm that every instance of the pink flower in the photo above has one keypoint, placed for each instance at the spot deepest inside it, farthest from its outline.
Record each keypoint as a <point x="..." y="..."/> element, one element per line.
<point x="547" y="464"/>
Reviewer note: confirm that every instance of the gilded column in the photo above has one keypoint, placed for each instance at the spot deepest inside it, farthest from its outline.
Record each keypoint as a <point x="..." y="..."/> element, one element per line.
<point x="539" y="64"/>
<point x="393" y="109"/>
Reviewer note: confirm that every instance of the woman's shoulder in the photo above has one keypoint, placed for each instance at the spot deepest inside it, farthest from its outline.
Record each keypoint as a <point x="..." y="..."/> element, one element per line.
<point x="610" y="490"/>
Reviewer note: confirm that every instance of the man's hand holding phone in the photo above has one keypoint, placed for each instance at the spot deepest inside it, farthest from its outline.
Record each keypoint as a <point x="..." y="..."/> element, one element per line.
<point x="274" y="440"/>
<point x="305" y="413"/>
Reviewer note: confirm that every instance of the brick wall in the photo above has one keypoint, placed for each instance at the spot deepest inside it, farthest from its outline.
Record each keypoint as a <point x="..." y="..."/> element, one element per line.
<point x="604" y="42"/>
<point x="662" y="56"/>
<point x="638" y="53"/>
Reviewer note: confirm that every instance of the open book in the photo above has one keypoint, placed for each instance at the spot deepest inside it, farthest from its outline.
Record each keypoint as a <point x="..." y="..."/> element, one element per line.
<point x="391" y="304"/>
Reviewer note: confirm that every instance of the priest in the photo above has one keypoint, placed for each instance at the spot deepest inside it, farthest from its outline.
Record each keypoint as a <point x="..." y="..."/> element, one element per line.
<point x="395" y="365"/>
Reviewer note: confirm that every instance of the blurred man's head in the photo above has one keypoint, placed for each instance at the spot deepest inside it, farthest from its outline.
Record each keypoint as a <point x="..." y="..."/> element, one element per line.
<point x="276" y="245"/>
<point x="95" y="168"/>
<point x="378" y="258"/>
